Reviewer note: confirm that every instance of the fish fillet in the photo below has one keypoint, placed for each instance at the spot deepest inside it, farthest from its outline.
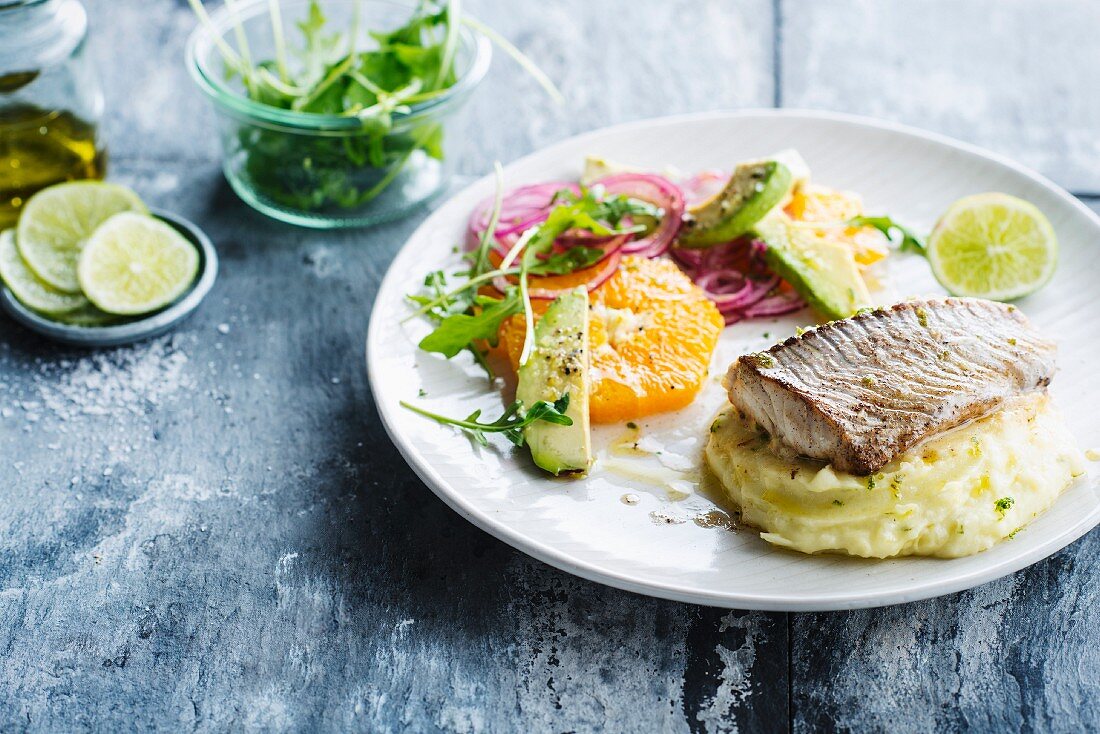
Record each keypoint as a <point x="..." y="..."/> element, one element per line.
<point x="860" y="391"/>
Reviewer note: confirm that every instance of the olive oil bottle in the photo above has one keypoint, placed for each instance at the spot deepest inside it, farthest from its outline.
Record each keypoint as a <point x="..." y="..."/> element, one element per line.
<point x="39" y="148"/>
<point x="50" y="101"/>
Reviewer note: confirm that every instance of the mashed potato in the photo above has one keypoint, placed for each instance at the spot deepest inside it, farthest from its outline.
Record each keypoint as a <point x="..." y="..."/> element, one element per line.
<point x="954" y="495"/>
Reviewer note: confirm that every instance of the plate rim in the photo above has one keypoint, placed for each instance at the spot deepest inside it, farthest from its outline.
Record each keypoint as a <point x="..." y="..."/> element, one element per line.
<point x="678" y="592"/>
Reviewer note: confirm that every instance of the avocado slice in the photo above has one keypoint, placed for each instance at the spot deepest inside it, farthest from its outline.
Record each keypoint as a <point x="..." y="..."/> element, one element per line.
<point x="754" y="189"/>
<point x="824" y="273"/>
<point x="596" y="168"/>
<point x="796" y="164"/>
<point x="557" y="366"/>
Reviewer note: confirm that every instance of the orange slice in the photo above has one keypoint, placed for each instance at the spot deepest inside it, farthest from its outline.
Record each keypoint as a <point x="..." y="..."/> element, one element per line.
<point x="651" y="336"/>
<point x="822" y="204"/>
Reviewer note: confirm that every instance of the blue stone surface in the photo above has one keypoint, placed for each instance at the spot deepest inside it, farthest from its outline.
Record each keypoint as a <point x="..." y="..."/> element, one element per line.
<point x="211" y="531"/>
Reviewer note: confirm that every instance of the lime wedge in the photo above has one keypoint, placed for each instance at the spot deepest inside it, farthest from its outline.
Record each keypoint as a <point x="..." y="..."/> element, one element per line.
<point x="135" y="264"/>
<point x="57" y="222"/>
<point x="993" y="246"/>
<point x="27" y="287"/>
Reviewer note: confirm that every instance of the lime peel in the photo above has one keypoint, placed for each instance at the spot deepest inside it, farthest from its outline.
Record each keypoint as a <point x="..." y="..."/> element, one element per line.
<point x="31" y="291"/>
<point x="89" y="316"/>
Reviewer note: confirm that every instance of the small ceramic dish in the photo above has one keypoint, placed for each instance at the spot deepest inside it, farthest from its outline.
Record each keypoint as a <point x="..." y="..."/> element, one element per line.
<point x="154" y="324"/>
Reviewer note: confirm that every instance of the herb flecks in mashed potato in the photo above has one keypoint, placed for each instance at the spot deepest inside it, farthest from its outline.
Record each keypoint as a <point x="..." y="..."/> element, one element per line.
<point x="944" y="498"/>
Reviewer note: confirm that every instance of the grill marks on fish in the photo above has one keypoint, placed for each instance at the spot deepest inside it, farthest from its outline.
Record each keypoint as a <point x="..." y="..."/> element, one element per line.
<point x="861" y="391"/>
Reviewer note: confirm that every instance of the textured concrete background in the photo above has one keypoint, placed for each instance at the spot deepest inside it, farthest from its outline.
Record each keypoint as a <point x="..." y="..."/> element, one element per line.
<point x="211" y="530"/>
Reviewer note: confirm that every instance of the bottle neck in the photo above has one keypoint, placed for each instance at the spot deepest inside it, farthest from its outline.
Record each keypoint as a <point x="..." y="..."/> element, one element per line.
<point x="38" y="34"/>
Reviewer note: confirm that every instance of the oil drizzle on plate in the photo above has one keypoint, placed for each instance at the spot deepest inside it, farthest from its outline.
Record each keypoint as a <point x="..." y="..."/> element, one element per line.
<point x="716" y="519"/>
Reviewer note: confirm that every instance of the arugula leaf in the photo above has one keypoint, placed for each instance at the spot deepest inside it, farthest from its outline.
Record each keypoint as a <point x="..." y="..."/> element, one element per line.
<point x="440" y="303"/>
<point x="909" y="242"/>
<point x="456" y="332"/>
<point x="561" y="263"/>
<point x="384" y="70"/>
<point x="510" y="424"/>
<point x="421" y="61"/>
<point x="612" y="208"/>
<point x="561" y="219"/>
<point x="318" y="51"/>
<point x="411" y="32"/>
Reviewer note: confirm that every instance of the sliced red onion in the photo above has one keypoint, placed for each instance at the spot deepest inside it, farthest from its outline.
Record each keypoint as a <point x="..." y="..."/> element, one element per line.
<point x="603" y="272"/>
<point x="520" y="209"/>
<point x="735" y="276"/>
<point x="722" y="282"/>
<point x="776" y="305"/>
<point x="661" y="193"/>
<point x="584" y="238"/>
<point x="600" y="273"/>
<point x="727" y="288"/>
<point x="600" y="270"/>
<point x="737" y="254"/>
<point x="754" y="292"/>
<point x="690" y="259"/>
<point x="732" y="317"/>
<point x="522" y="225"/>
<point x="703" y="185"/>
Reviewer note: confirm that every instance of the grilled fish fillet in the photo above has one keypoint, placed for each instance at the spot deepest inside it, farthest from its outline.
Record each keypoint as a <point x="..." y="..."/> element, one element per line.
<point x="861" y="391"/>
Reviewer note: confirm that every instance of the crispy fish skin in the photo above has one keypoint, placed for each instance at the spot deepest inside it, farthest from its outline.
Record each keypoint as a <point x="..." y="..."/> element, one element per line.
<point x="860" y="391"/>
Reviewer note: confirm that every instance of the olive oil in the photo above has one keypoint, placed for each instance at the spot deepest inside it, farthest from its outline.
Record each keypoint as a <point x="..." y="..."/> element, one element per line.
<point x="39" y="148"/>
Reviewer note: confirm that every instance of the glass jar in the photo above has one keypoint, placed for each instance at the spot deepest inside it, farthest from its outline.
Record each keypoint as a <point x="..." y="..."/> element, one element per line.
<point x="327" y="170"/>
<point x="50" y="101"/>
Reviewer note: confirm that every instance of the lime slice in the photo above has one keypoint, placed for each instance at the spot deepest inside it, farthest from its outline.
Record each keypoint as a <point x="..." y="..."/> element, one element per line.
<point x="993" y="246"/>
<point x="88" y="315"/>
<point x="57" y="222"/>
<point x="27" y="287"/>
<point x="135" y="264"/>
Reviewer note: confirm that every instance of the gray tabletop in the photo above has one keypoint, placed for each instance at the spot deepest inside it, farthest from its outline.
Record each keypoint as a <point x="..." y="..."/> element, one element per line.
<point x="211" y="530"/>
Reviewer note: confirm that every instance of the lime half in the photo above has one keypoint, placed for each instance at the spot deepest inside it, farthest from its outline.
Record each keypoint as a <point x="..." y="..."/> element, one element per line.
<point x="993" y="246"/>
<point x="27" y="287"/>
<point x="135" y="264"/>
<point x="56" y="223"/>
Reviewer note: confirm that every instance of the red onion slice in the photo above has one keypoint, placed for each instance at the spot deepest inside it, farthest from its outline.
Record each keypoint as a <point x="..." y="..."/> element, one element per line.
<point x="661" y="193"/>
<point x="598" y="275"/>
<point x="689" y="259"/>
<point x="520" y="208"/>
<point x="751" y="292"/>
<point x="604" y="270"/>
<point x="727" y="288"/>
<point x="736" y="278"/>
<point x="599" y="271"/>
<point x="703" y="185"/>
<point x="732" y="317"/>
<point x="776" y="305"/>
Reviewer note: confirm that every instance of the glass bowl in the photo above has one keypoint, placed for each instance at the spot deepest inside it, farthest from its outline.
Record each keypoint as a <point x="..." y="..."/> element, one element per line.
<point x="325" y="170"/>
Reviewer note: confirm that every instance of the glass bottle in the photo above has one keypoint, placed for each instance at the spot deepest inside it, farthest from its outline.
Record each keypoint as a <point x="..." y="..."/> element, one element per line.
<point x="50" y="101"/>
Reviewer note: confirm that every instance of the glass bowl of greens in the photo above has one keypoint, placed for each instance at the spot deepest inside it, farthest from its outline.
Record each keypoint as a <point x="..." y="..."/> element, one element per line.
<point x="336" y="114"/>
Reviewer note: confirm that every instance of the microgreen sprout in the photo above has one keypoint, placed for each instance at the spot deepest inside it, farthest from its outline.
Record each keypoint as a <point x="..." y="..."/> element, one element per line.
<point x="511" y="422"/>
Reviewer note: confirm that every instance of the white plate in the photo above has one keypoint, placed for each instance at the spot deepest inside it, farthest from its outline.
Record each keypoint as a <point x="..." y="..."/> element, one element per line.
<point x="582" y="526"/>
